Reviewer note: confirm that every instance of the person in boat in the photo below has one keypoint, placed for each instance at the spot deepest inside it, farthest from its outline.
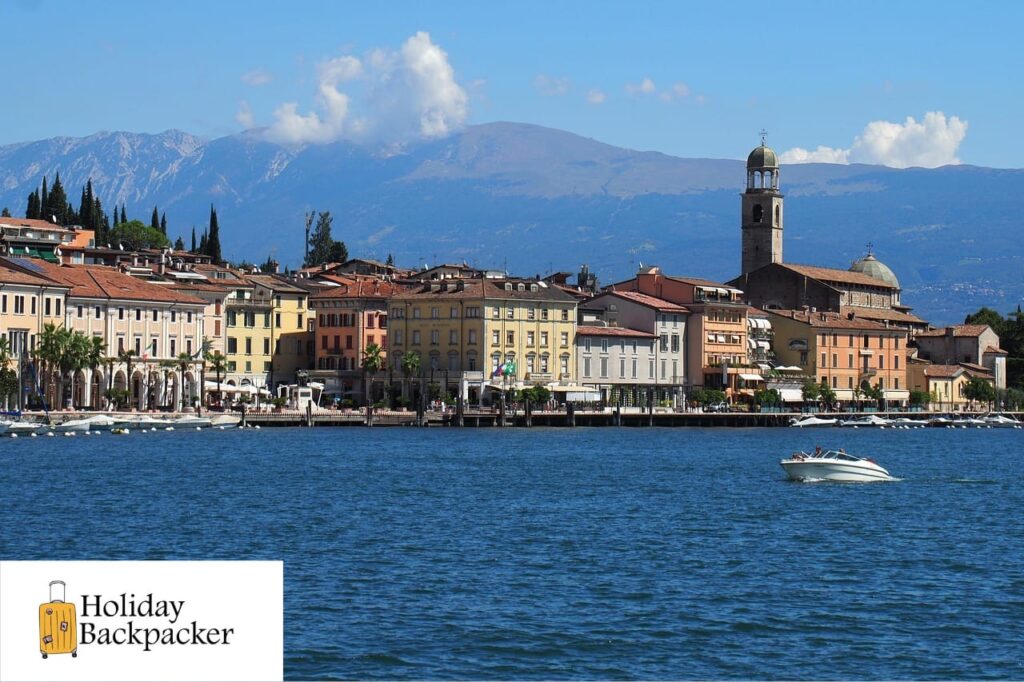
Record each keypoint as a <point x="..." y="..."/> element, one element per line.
<point x="817" y="451"/>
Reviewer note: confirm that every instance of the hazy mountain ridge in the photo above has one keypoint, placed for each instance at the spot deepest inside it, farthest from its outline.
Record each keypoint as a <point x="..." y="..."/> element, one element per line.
<point x="532" y="199"/>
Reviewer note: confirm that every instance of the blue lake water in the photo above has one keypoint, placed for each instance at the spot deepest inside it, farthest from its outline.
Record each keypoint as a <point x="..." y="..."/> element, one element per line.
<point x="585" y="553"/>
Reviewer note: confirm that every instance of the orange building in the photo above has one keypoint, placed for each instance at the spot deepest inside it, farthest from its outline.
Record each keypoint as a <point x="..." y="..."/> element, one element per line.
<point x="348" y="318"/>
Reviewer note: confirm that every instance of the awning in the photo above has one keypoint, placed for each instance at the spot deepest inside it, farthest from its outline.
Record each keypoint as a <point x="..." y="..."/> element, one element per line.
<point x="764" y="344"/>
<point x="752" y="377"/>
<point x="791" y="395"/>
<point x="790" y="368"/>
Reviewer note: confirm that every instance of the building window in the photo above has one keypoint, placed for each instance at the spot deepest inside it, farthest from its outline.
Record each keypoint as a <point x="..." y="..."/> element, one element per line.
<point x="510" y="338"/>
<point x="348" y="342"/>
<point x="604" y="368"/>
<point x="896" y="384"/>
<point x="881" y="361"/>
<point x="531" y="313"/>
<point x="634" y="368"/>
<point x="663" y="365"/>
<point x="496" y="312"/>
<point x="174" y="316"/>
<point x="510" y="313"/>
<point x="435" y="337"/>
<point x="415" y="313"/>
<point x="415" y="337"/>
<point x="138" y="314"/>
<point x="248" y="345"/>
<point x="435" y="313"/>
<point x="544" y="339"/>
<point x="156" y="315"/>
<point x="622" y="367"/>
<point x="604" y="345"/>
<point x="46" y="306"/>
<point x="849" y="360"/>
<point x="758" y="213"/>
<point x="472" y="337"/>
<point x="586" y="367"/>
<point x="563" y="363"/>
<point x="586" y="344"/>
<point x="664" y="344"/>
<point x="896" y="362"/>
<point x="896" y="342"/>
<point x="454" y="313"/>
<point x="248" y="366"/>
<point x="543" y="313"/>
<point x="835" y="360"/>
<point x="564" y="339"/>
<point x="277" y="320"/>
<point x="453" y="337"/>
<point x="399" y="337"/>
<point x="530" y="338"/>
<point x="803" y="358"/>
<point x="266" y="346"/>
<point x="495" y="337"/>
<point x="675" y="343"/>
<point x="824" y="362"/>
<point x="96" y="310"/>
<point x="565" y="315"/>
<point x="544" y="364"/>
<point x="835" y="381"/>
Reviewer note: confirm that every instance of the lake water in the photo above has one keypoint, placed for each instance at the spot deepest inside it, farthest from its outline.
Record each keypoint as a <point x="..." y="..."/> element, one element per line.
<point x="585" y="553"/>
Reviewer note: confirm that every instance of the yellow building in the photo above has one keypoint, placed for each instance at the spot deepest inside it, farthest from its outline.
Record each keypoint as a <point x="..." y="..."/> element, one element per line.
<point x="28" y="302"/>
<point x="945" y="384"/>
<point x="465" y="329"/>
<point x="291" y="328"/>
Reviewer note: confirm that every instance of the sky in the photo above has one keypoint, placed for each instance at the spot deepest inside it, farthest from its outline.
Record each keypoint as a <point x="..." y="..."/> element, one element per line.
<point x="898" y="83"/>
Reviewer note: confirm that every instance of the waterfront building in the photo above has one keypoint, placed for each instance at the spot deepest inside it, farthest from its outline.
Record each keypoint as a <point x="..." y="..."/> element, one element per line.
<point x="291" y="329"/>
<point x="869" y="289"/>
<point x="968" y="344"/>
<point x="945" y="384"/>
<point x="716" y="330"/>
<point x="155" y="322"/>
<point x="28" y="302"/>
<point x="464" y="330"/>
<point x="347" y="318"/>
<point x="843" y="352"/>
<point x="632" y="347"/>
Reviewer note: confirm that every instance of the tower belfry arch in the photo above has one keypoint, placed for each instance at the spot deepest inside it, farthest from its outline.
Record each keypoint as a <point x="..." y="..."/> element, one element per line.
<point x="761" y="210"/>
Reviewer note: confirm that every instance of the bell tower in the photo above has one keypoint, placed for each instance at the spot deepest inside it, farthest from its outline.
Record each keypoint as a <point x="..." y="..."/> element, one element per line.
<point x="761" y="206"/>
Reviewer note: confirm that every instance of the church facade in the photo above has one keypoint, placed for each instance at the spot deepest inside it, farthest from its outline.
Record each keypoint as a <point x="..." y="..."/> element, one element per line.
<point x="868" y="290"/>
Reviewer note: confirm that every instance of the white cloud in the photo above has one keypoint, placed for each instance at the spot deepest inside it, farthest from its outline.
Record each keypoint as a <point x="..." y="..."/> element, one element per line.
<point x="932" y="142"/>
<point x="596" y="96"/>
<point x="644" y="87"/>
<point x="257" y="77"/>
<point x="820" y="155"/>
<point x="244" y="115"/>
<point x="550" y="85"/>
<point x="391" y="96"/>
<point x="677" y="91"/>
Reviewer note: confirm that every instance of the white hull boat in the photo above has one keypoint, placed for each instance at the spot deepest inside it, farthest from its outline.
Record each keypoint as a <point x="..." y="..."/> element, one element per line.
<point x="812" y="421"/>
<point x="999" y="421"/>
<point x="193" y="422"/>
<point x="868" y="422"/>
<point x="833" y="465"/>
<point x="225" y="421"/>
<point x="4" y="426"/>
<point x="148" y="422"/>
<point x="26" y="428"/>
<point x="73" y="426"/>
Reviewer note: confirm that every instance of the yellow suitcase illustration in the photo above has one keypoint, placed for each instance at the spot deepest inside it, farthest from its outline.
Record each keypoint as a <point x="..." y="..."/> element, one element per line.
<point x="58" y="624"/>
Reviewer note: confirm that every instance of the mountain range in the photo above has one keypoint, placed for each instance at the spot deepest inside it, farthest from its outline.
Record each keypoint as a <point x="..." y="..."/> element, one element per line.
<point x="532" y="200"/>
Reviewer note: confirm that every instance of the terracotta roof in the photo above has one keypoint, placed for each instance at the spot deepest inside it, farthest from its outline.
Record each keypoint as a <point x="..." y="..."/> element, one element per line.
<point x="958" y="330"/>
<point x="487" y="289"/>
<point x="835" y="275"/>
<point x="202" y="286"/>
<point x="828" y="320"/>
<point x="976" y="370"/>
<point x="943" y="371"/>
<point x="31" y="222"/>
<point x="9" y="275"/>
<point x="882" y="314"/>
<point x="696" y="281"/>
<point x="650" y="301"/>
<point x="275" y="284"/>
<point x="996" y="351"/>
<point x="361" y="288"/>
<point x="100" y="281"/>
<point x="613" y="331"/>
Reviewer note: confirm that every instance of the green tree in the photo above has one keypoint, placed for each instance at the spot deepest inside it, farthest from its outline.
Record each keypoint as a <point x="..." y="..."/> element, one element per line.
<point x="373" y="362"/>
<point x="390" y="261"/>
<point x="8" y="376"/>
<point x="213" y="241"/>
<point x="179" y="245"/>
<point x="126" y="357"/>
<point x="184" y="361"/>
<point x="219" y="364"/>
<point x="980" y="390"/>
<point x="134" y="236"/>
<point x="767" y="397"/>
<point x="827" y="395"/>
<point x="56" y="205"/>
<point x="322" y="246"/>
<point x="124" y="216"/>
<point x="920" y="397"/>
<point x="193" y="249"/>
<point x="987" y="316"/>
<point x="154" y="220"/>
<point x="811" y="390"/>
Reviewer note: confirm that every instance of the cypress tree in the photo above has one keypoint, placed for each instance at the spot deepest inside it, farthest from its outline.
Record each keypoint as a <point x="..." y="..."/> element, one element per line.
<point x="163" y="224"/>
<point x="213" y="244"/>
<point x="44" y="201"/>
<point x="179" y="245"/>
<point x="193" y="249"/>
<point x="57" y="206"/>
<point x="6" y="213"/>
<point x="32" y="210"/>
<point x="124" y="215"/>
<point x="203" y="247"/>
<point x="154" y="222"/>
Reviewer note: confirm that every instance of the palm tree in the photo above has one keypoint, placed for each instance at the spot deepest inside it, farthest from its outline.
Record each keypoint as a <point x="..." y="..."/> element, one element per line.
<point x="47" y="356"/>
<point x="126" y="356"/>
<point x="94" y="358"/>
<point x="8" y="377"/>
<point x="219" y="364"/>
<point x="184" y="361"/>
<point x="373" y="362"/>
<point x="411" y="365"/>
<point x="168" y="366"/>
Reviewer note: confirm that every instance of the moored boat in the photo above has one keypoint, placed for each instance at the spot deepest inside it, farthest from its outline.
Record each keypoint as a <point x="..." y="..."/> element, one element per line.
<point x="1001" y="421"/>
<point x="833" y="465"/>
<point x="812" y="421"/>
<point x="868" y="421"/>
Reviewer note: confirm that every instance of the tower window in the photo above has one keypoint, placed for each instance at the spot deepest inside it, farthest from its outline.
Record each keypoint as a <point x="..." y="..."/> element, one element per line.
<point x="778" y="216"/>
<point x="758" y="213"/>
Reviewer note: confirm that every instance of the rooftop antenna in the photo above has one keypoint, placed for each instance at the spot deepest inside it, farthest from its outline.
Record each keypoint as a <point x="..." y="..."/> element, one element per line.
<point x="870" y="246"/>
<point x="764" y="134"/>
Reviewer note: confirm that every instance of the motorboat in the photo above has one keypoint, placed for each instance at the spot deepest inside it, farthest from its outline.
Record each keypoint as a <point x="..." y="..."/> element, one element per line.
<point x="969" y="423"/>
<point x="4" y="426"/>
<point x="940" y="422"/>
<point x="869" y="421"/>
<point x="25" y="428"/>
<point x="225" y="421"/>
<point x="1001" y="421"/>
<point x="73" y="425"/>
<point x="811" y="420"/>
<point x="833" y="465"/>
<point x="906" y="423"/>
<point x="147" y="422"/>
<point x="193" y="422"/>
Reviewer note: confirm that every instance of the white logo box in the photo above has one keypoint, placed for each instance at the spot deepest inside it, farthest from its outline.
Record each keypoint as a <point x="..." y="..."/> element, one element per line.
<point x="241" y="602"/>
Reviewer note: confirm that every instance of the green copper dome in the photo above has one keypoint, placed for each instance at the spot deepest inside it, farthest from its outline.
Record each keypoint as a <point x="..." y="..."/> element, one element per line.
<point x="762" y="157"/>
<point x="872" y="267"/>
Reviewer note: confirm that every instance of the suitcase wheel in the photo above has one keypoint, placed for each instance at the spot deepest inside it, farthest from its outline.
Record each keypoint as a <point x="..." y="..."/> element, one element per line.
<point x="44" y="655"/>
<point x="74" y="654"/>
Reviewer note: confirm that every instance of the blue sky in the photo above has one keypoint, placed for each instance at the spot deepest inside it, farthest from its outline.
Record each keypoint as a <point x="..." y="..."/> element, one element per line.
<point x="837" y="81"/>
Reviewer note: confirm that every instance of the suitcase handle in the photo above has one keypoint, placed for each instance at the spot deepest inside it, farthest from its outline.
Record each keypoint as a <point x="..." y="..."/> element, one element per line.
<point x="63" y="590"/>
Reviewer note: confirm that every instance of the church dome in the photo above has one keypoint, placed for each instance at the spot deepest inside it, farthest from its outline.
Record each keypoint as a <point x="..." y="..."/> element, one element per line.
<point x="762" y="157"/>
<point x="872" y="267"/>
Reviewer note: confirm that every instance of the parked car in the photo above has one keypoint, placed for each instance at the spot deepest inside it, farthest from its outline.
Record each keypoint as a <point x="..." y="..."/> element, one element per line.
<point x="718" y="407"/>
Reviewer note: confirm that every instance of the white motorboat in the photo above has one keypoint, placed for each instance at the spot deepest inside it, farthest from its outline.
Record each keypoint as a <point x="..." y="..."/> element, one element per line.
<point x="869" y="421"/>
<point x="833" y="465"/>
<point x="940" y="422"/>
<point x="907" y="423"/>
<point x="1001" y="421"/>
<point x="811" y="420"/>
<point x="969" y="423"/>
<point x="74" y="425"/>
<point x="225" y="421"/>
<point x="193" y="422"/>
<point x="25" y="428"/>
<point x="4" y="426"/>
<point x="147" y="422"/>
